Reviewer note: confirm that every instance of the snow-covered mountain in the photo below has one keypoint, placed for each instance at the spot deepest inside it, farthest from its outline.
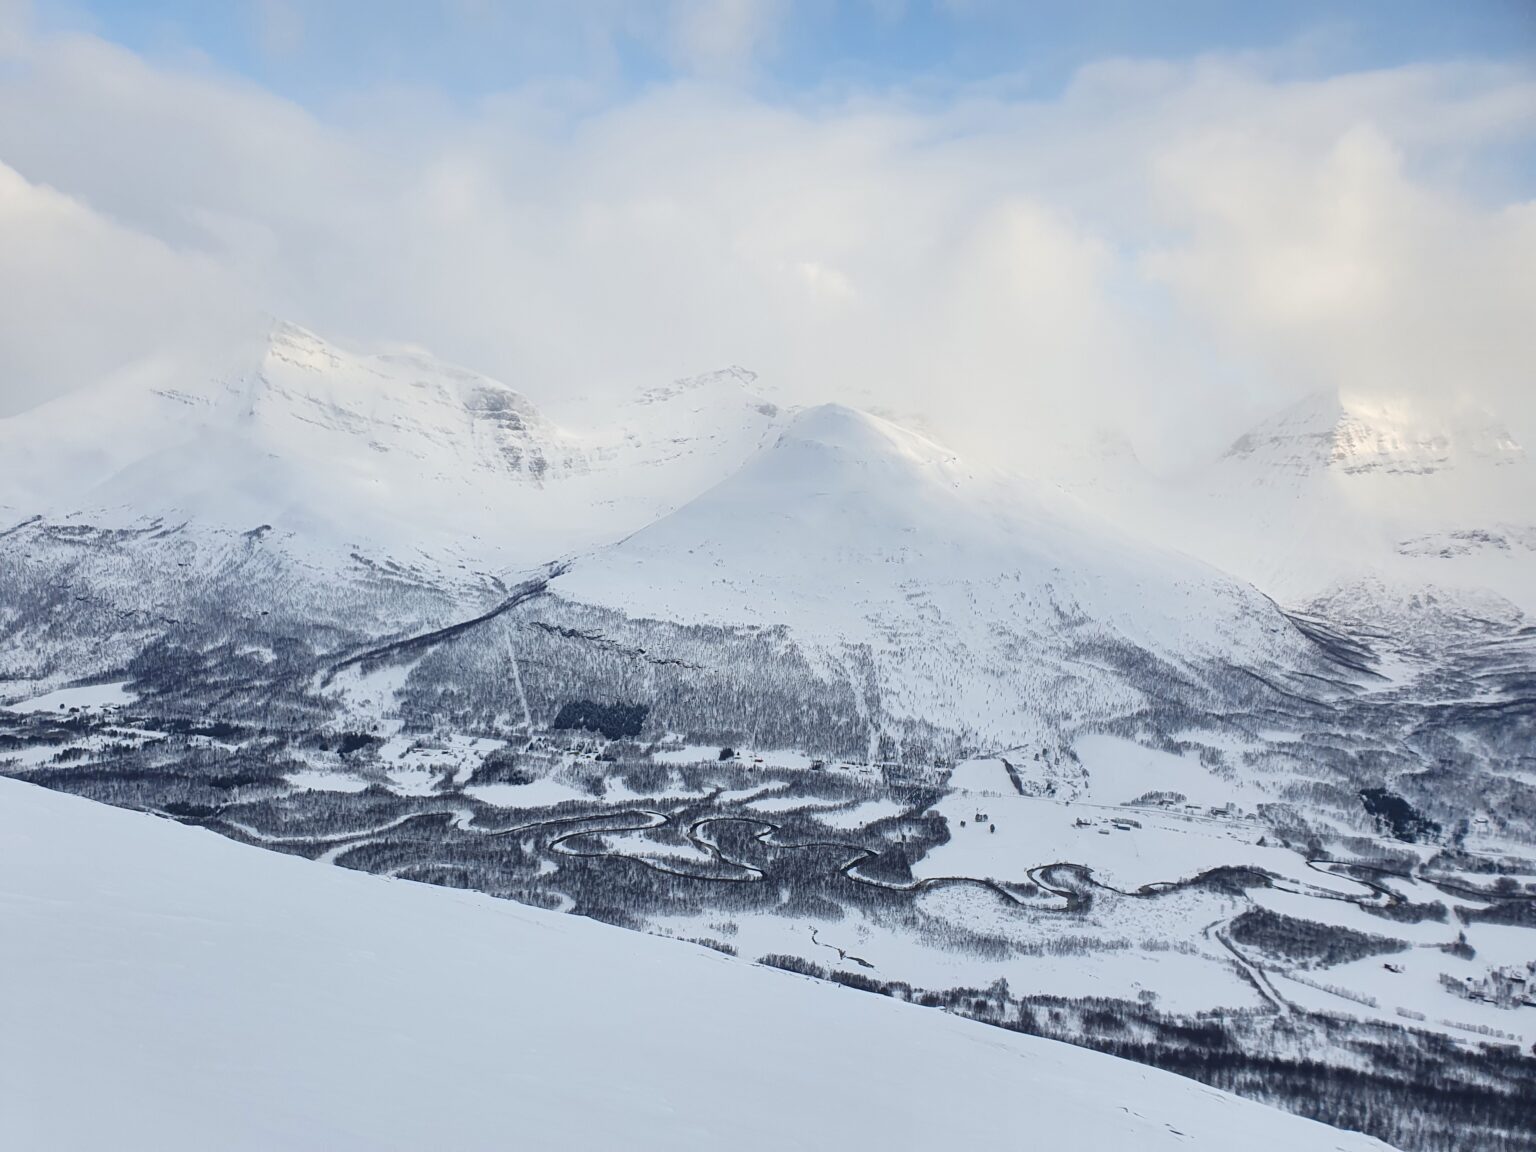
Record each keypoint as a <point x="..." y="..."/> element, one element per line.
<point x="978" y="600"/>
<point x="290" y="484"/>
<point x="200" y="992"/>
<point x="1325" y="433"/>
<point x="1334" y="493"/>
<point x="848" y="511"/>
<point x="410" y="461"/>
<point x="398" y="454"/>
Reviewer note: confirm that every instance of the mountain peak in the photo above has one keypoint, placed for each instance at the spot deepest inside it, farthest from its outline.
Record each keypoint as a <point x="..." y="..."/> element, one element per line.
<point x="1399" y="437"/>
<point x="836" y="425"/>
<point x="853" y="433"/>
<point x="733" y="380"/>
<point x="1355" y="435"/>
<point x="1298" y="438"/>
<point x="285" y="333"/>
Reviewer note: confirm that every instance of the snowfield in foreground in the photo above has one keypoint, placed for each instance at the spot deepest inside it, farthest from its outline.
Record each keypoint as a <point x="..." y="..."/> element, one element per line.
<point x="164" y="988"/>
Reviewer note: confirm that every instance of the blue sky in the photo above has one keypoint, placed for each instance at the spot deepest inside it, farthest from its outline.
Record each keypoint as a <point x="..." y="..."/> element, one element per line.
<point x="316" y="52"/>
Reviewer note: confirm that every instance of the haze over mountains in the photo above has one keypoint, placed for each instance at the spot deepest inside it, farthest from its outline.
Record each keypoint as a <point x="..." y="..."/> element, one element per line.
<point x="395" y="453"/>
<point x="850" y="532"/>
<point x="1329" y="493"/>
<point x="878" y="554"/>
<point x="403" y="455"/>
<point x="698" y="503"/>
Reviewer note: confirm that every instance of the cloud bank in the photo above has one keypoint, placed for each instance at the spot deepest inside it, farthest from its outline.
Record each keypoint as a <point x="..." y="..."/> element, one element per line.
<point x="1166" y="249"/>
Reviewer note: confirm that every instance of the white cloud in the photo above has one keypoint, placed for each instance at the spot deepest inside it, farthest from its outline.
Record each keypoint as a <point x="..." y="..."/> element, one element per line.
<point x="722" y="37"/>
<point x="1334" y="266"/>
<point x="1168" y="246"/>
<point x="82" y="298"/>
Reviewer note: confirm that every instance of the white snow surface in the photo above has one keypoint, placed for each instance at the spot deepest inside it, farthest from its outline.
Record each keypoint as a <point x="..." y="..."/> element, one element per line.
<point x="87" y="697"/>
<point x="849" y="509"/>
<point x="319" y="780"/>
<point x="542" y="793"/>
<point x="1337" y="490"/>
<point x="162" y="988"/>
<point x="1119" y="771"/>
<point x="393" y="454"/>
<point x="976" y="594"/>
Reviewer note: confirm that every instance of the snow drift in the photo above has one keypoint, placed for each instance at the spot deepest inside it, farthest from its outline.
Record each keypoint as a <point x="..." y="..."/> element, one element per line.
<point x="162" y="988"/>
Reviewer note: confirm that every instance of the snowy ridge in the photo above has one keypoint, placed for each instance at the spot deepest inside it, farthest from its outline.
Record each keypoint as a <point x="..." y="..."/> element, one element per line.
<point x="197" y="986"/>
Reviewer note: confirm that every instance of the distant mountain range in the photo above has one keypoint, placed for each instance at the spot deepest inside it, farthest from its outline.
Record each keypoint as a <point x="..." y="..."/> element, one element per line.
<point x="405" y="457"/>
<point x="331" y="493"/>
<point x="1330" y="494"/>
<point x="881" y="557"/>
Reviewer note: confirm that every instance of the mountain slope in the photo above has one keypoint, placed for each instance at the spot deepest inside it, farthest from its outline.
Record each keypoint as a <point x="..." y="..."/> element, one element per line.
<point x="1336" y="496"/>
<point x="196" y="991"/>
<point x="978" y="603"/>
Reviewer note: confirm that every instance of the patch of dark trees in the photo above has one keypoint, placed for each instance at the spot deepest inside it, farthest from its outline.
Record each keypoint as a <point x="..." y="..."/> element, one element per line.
<point x="1408" y="912"/>
<point x="1515" y="913"/>
<point x="1306" y="942"/>
<point x="614" y="721"/>
<point x="794" y="964"/>
<point x="1397" y="816"/>
<point x="351" y="742"/>
<point x="890" y="865"/>
<point x="221" y="730"/>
